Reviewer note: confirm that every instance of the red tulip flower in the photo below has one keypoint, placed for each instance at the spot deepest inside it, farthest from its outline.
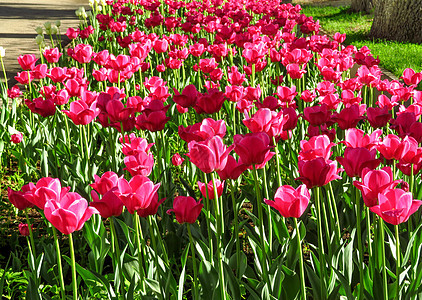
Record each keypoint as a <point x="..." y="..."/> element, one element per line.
<point x="396" y="206"/>
<point x="186" y="209"/>
<point x="69" y="213"/>
<point x="232" y="170"/>
<point x="356" y="138"/>
<point x="176" y="159"/>
<point x="317" y="115"/>
<point x="210" y="187"/>
<point x="109" y="205"/>
<point x="17" y="198"/>
<point x="375" y="182"/>
<point x="188" y="97"/>
<point x="16" y="138"/>
<point x="24" y="229"/>
<point x="137" y="193"/>
<point x="252" y="148"/>
<point x="152" y="208"/>
<point x="378" y="117"/>
<point x="317" y="172"/>
<point x="356" y="159"/>
<point x="290" y="202"/>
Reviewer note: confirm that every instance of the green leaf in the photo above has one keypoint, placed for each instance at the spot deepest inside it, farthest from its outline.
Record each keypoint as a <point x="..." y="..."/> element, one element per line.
<point x="183" y="274"/>
<point x="208" y="277"/>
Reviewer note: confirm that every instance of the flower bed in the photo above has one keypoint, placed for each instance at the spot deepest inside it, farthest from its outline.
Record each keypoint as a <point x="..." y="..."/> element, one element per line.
<point x="216" y="149"/>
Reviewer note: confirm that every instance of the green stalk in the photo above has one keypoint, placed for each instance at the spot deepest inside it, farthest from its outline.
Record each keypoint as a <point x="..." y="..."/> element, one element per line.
<point x="384" y="268"/>
<point x="72" y="256"/>
<point x="236" y="228"/>
<point x="253" y="75"/>
<point x="138" y="241"/>
<point x="261" y="225"/>
<point x="270" y="222"/>
<point x="301" y="271"/>
<point x="160" y="240"/>
<point x="59" y="262"/>
<point x="220" y="224"/>
<point x="154" y="245"/>
<point x="360" y="248"/>
<point x="208" y="217"/>
<point x="277" y="156"/>
<point x="116" y="248"/>
<point x="4" y="72"/>
<point x="368" y="225"/>
<point x="334" y="206"/>
<point x="398" y="270"/>
<point x="321" y="253"/>
<point x="195" y="272"/>
<point x="31" y="236"/>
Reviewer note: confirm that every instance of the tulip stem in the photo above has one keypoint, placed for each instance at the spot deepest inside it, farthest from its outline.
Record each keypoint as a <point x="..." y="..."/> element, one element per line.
<point x="368" y="225"/>
<point x="235" y="229"/>
<point x="334" y="206"/>
<point x="192" y="248"/>
<point x="277" y="156"/>
<point x="360" y="248"/>
<point x="261" y="226"/>
<point x="31" y="236"/>
<point x="270" y="222"/>
<point x="301" y="271"/>
<point x="220" y="224"/>
<point x="384" y="269"/>
<point x="59" y="262"/>
<point x="208" y="217"/>
<point x="116" y="248"/>
<point x="396" y="229"/>
<point x="140" y="254"/>
<point x="72" y="257"/>
<point x="160" y="240"/>
<point x="321" y="253"/>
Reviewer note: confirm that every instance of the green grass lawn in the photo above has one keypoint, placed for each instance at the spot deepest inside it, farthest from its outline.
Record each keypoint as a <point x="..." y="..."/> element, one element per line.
<point x="394" y="56"/>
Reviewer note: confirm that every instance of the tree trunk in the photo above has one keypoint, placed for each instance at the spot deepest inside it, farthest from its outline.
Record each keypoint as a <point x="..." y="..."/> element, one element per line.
<point x="399" y="20"/>
<point x="361" y="6"/>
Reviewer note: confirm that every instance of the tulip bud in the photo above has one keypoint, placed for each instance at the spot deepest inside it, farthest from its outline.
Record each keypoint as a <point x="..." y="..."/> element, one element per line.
<point x="16" y="138"/>
<point x="58" y="23"/>
<point x="39" y="30"/>
<point x="47" y="25"/>
<point x="39" y="39"/>
<point x="2" y="52"/>
<point x="24" y="229"/>
<point x="54" y="29"/>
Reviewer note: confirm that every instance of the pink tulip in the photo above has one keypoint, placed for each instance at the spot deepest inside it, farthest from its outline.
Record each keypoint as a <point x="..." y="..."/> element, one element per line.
<point x="137" y="193"/>
<point x="82" y="114"/>
<point x="46" y="189"/>
<point x="186" y="209"/>
<point x="16" y="138"/>
<point x="396" y="206"/>
<point x="27" y="62"/>
<point x="290" y="202"/>
<point x="317" y="146"/>
<point x="389" y="146"/>
<point x="139" y="164"/>
<point x="375" y="182"/>
<point x="105" y="183"/>
<point x="210" y="155"/>
<point x="52" y="55"/>
<point x="356" y="138"/>
<point x="69" y="213"/>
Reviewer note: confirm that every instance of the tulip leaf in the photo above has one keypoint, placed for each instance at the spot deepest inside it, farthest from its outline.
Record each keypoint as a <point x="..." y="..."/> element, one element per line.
<point x="183" y="273"/>
<point x="232" y="282"/>
<point x="279" y="227"/>
<point x="315" y="282"/>
<point x="208" y="277"/>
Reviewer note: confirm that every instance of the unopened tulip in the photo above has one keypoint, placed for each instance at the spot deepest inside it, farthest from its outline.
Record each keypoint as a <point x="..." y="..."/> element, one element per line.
<point x="186" y="209"/>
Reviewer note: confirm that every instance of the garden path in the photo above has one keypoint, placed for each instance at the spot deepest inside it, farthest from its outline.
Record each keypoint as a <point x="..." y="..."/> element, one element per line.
<point x="18" y="20"/>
